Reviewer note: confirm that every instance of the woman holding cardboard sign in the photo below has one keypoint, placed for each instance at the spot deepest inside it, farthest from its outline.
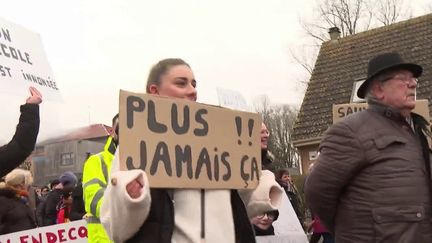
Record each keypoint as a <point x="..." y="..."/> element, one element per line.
<point x="132" y="212"/>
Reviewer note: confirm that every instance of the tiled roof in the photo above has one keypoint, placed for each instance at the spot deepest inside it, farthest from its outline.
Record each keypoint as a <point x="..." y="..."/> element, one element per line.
<point x="87" y="132"/>
<point x="341" y="62"/>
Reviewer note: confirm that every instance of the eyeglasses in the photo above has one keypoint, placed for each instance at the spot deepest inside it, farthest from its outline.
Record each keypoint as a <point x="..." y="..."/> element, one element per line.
<point x="269" y="215"/>
<point x="405" y="79"/>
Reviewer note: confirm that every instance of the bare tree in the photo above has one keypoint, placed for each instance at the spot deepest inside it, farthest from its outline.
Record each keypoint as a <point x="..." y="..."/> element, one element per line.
<point x="282" y="123"/>
<point x="262" y="106"/>
<point x="350" y="17"/>
<point x="344" y="14"/>
<point x="303" y="57"/>
<point x="279" y="120"/>
<point x="388" y="12"/>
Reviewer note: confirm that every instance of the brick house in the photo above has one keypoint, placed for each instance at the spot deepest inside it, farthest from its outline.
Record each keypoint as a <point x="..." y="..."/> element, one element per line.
<point x="342" y="65"/>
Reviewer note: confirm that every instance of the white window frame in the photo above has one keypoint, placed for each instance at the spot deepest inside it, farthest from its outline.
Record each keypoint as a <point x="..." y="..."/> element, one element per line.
<point x="70" y="160"/>
<point x="356" y="86"/>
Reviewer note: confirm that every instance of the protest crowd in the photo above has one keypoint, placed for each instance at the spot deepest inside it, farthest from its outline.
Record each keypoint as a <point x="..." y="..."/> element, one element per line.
<point x="370" y="182"/>
<point x="98" y="199"/>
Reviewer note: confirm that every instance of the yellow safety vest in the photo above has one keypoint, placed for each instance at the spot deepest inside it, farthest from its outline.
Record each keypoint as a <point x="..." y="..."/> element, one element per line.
<point x="95" y="180"/>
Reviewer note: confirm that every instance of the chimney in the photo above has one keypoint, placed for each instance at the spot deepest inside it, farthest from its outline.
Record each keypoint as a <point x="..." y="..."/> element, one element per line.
<point x="334" y="33"/>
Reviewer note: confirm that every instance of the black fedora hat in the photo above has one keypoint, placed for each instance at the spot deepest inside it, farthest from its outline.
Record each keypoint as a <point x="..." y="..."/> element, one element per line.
<point x="386" y="62"/>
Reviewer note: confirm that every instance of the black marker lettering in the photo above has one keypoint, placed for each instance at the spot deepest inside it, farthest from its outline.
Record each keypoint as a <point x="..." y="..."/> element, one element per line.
<point x="254" y="169"/>
<point x="244" y="175"/>
<point x="225" y="162"/>
<point x="143" y="158"/>
<point x="200" y="119"/>
<point x="175" y="120"/>
<point x="133" y="104"/>
<point x="161" y="154"/>
<point x="183" y="156"/>
<point x="203" y="158"/>
<point x="153" y="124"/>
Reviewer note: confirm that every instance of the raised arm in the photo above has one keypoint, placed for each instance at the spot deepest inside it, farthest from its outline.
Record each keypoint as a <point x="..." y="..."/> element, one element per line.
<point x="24" y="140"/>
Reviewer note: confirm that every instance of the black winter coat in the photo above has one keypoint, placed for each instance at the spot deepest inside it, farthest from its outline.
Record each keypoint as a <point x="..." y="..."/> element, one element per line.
<point x="372" y="181"/>
<point x="15" y="215"/>
<point x="50" y="207"/>
<point x="78" y="208"/>
<point x="23" y="142"/>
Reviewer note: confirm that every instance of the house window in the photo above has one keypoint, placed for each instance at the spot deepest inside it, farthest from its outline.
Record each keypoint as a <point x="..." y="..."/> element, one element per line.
<point x="356" y="86"/>
<point x="313" y="155"/>
<point x="67" y="159"/>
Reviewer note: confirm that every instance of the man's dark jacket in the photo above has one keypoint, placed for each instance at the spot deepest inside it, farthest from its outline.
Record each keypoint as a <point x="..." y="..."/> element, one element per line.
<point x="372" y="179"/>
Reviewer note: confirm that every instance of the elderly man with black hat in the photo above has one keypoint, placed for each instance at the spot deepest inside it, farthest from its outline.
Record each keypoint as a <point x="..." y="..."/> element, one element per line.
<point x="372" y="179"/>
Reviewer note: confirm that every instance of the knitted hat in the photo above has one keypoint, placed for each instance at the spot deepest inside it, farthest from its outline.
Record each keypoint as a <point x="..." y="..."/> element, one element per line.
<point x="68" y="178"/>
<point x="19" y="177"/>
<point x="383" y="63"/>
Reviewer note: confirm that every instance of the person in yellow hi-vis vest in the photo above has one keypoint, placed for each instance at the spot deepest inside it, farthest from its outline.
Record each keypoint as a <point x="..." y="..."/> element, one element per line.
<point x="95" y="178"/>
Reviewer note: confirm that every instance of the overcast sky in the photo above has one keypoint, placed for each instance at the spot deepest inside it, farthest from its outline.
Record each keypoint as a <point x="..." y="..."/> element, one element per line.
<point x="96" y="48"/>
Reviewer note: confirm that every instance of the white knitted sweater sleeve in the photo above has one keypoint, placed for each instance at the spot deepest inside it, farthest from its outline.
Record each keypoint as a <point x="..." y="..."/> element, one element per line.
<point x="266" y="197"/>
<point x="121" y="215"/>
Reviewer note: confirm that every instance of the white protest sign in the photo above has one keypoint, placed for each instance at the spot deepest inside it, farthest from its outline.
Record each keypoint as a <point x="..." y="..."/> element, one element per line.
<point x="23" y="63"/>
<point x="280" y="239"/>
<point x="288" y="224"/>
<point x="75" y="232"/>
<point x="231" y="99"/>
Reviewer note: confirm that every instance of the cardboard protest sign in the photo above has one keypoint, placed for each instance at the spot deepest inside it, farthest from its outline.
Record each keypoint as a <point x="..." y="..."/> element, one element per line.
<point x="75" y="232"/>
<point x="23" y="63"/>
<point x="342" y="110"/>
<point x="184" y="144"/>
